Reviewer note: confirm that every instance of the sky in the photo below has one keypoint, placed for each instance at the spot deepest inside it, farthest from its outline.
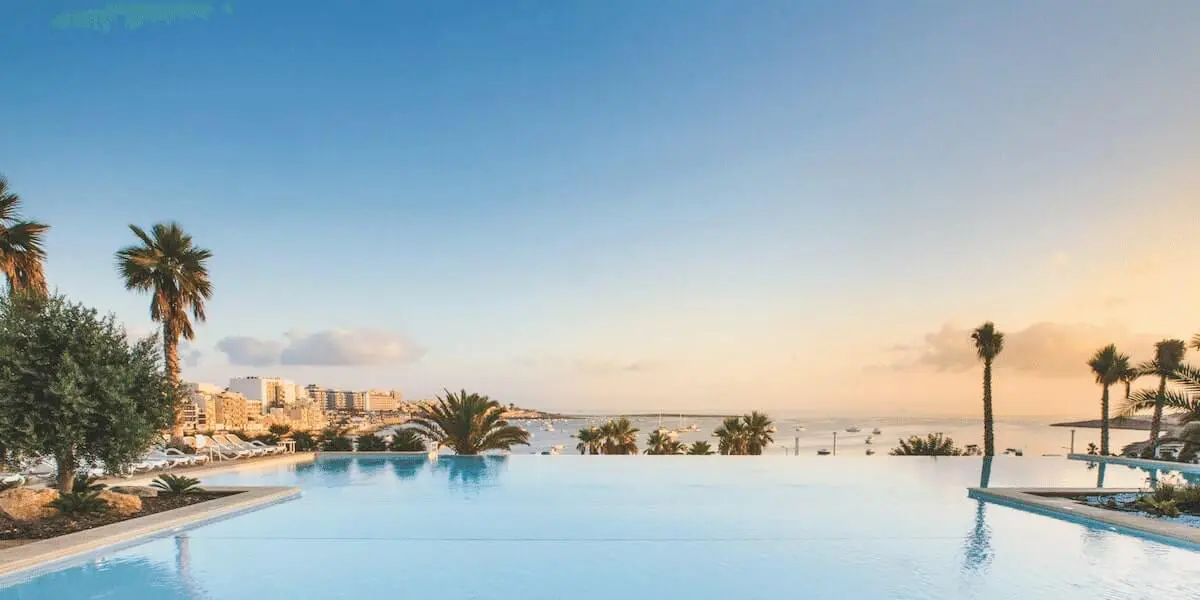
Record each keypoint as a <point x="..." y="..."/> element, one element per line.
<point x="618" y="205"/>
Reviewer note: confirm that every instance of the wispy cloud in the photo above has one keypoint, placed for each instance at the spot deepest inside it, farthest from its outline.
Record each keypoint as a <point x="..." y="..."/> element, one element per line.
<point x="336" y="347"/>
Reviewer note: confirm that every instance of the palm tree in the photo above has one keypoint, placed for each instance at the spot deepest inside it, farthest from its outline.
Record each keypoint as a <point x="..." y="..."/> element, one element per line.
<point x="1196" y="342"/>
<point x="731" y="436"/>
<point x="661" y="443"/>
<point x="759" y="429"/>
<point x="989" y="343"/>
<point x="21" y="253"/>
<point x="1107" y="366"/>
<point x="175" y="272"/>
<point x="1168" y="357"/>
<point x="620" y="437"/>
<point x="1183" y="398"/>
<point x="590" y="440"/>
<point x="468" y="424"/>
<point x="699" y="449"/>
<point x="934" y="444"/>
<point x="1129" y="375"/>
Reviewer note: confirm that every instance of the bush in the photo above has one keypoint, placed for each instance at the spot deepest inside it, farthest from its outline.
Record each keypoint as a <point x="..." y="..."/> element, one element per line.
<point x="280" y="430"/>
<point x="406" y="440"/>
<point x="339" y="443"/>
<point x="305" y="442"/>
<point x="371" y="443"/>
<point x="176" y="484"/>
<point x="85" y="483"/>
<point x="80" y="503"/>
<point x="1157" y="507"/>
<point x="934" y="444"/>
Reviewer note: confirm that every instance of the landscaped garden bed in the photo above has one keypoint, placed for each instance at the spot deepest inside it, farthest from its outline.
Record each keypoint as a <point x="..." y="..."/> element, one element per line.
<point x="37" y="514"/>
<point x="1168" y="502"/>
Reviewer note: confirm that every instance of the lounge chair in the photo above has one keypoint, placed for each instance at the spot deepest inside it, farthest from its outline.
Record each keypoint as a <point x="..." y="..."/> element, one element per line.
<point x="194" y="459"/>
<point x="271" y="449"/>
<point x="1168" y="450"/>
<point x="238" y="443"/>
<point x="221" y="450"/>
<point x="171" y="461"/>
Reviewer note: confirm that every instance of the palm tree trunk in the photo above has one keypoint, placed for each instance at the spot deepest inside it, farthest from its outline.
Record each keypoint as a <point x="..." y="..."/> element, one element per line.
<point x="1104" y="423"/>
<point x="989" y="438"/>
<point x="1156" y="422"/>
<point x="171" y="356"/>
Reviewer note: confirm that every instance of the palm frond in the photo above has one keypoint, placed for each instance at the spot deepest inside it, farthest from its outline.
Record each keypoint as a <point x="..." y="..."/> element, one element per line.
<point x="989" y="343"/>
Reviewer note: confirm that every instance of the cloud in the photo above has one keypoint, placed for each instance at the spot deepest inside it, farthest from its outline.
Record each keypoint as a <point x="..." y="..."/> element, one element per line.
<point x="335" y="347"/>
<point x="189" y="354"/>
<point x="250" y="352"/>
<point x="346" y="347"/>
<point x="1043" y="349"/>
<point x="613" y="367"/>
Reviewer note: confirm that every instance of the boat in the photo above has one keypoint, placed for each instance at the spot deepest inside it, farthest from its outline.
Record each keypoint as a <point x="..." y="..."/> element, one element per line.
<point x="1014" y="451"/>
<point x="853" y="429"/>
<point x="801" y="428"/>
<point x="870" y="452"/>
<point x="868" y="440"/>
<point x="823" y="452"/>
<point x="876" y="431"/>
<point x="548" y="426"/>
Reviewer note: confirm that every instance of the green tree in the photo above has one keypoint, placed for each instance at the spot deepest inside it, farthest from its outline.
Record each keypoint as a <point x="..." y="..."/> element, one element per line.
<point x="169" y="266"/>
<point x="700" y="449"/>
<point x="934" y="444"/>
<point x="468" y="424"/>
<point x="73" y="386"/>
<point x="22" y="258"/>
<point x="590" y="440"/>
<point x="661" y="443"/>
<point x="989" y="343"/>
<point x="406" y="440"/>
<point x="369" y="442"/>
<point x="731" y="436"/>
<point x="1107" y="366"/>
<point x="759" y="432"/>
<point x="620" y="437"/>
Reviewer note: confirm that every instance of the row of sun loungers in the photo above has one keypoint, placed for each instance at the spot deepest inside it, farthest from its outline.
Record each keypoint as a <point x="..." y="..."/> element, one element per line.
<point x="231" y="447"/>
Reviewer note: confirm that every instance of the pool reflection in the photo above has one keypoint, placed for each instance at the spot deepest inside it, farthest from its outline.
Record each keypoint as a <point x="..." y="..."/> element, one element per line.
<point x="470" y="471"/>
<point x="977" y="550"/>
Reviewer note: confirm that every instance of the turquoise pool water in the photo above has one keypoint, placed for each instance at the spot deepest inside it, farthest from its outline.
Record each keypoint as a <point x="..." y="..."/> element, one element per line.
<point x="583" y="528"/>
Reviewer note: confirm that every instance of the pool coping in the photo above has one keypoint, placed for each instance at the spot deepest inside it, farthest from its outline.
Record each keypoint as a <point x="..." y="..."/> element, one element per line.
<point x="42" y="554"/>
<point x="421" y="453"/>
<point x="225" y="466"/>
<point x="1055" y="502"/>
<point x="1161" y="465"/>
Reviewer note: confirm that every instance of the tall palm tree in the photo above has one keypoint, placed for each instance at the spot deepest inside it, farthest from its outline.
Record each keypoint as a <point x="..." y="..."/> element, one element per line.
<point x="468" y="424"/>
<point x="21" y="255"/>
<point x="989" y="343"/>
<point x="731" y="436"/>
<point x="1129" y="375"/>
<point x="590" y="440"/>
<point x="174" y="271"/>
<point x="759" y="432"/>
<point x="699" y="449"/>
<point x="620" y="437"/>
<point x="1168" y="357"/>
<point x="1107" y="367"/>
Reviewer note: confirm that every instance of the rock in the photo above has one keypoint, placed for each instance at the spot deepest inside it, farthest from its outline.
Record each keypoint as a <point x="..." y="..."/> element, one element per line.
<point x="125" y="505"/>
<point x="28" y="504"/>
<point x="136" y="490"/>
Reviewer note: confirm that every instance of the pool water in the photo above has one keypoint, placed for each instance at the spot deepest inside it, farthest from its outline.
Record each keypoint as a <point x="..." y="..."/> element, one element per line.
<point x="583" y="528"/>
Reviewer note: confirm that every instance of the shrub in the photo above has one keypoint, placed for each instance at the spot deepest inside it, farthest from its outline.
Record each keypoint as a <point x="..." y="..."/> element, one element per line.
<point x="406" y="440"/>
<point x="1157" y="507"/>
<point x="305" y="442"/>
<point x="371" y="443"/>
<point x="280" y="429"/>
<point x="339" y="443"/>
<point x="85" y="483"/>
<point x="80" y="503"/>
<point x="176" y="484"/>
<point x="934" y="444"/>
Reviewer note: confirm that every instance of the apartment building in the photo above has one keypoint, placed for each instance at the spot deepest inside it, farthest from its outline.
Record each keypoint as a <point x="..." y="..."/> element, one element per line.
<point x="270" y="391"/>
<point x="382" y="401"/>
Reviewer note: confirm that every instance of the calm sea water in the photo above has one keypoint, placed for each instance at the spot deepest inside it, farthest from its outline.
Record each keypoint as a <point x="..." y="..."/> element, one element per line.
<point x="590" y="528"/>
<point x="1033" y="437"/>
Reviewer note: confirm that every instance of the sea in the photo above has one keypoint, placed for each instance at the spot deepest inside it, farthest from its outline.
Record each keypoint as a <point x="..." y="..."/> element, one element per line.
<point x="806" y="436"/>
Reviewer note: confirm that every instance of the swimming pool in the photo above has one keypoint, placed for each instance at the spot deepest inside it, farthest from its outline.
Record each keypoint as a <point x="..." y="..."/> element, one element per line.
<point x="583" y="528"/>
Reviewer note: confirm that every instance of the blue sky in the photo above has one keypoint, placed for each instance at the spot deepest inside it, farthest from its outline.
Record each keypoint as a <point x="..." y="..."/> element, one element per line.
<point x="628" y="204"/>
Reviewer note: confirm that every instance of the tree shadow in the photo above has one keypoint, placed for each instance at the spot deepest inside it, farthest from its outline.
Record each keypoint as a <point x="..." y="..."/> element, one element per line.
<point x="977" y="549"/>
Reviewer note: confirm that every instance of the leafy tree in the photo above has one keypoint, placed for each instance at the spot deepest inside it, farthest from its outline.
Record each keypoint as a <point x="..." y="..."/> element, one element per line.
<point x="620" y="437"/>
<point x="370" y="442"/>
<point x="175" y="272"/>
<point x="468" y="424"/>
<point x="406" y="440"/>
<point x="73" y="386"/>
<point x="731" y="437"/>
<point x="1108" y="366"/>
<point x="934" y="444"/>
<point x="21" y="253"/>
<point x="661" y="443"/>
<point x="590" y="440"/>
<point x="337" y="443"/>
<point x="305" y="442"/>
<point x="700" y="449"/>
<point x="280" y="429"/>
<point x="759" y="430"/>
<point x="989" y="343"/>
